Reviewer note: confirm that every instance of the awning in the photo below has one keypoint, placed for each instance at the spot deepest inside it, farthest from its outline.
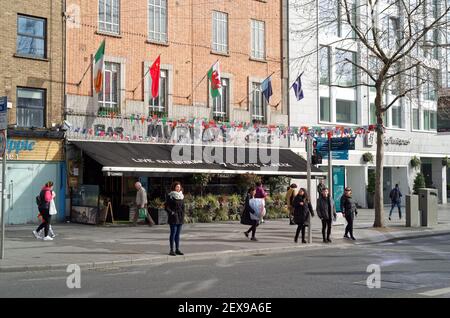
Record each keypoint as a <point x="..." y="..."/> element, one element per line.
<point x="130" y="158"/>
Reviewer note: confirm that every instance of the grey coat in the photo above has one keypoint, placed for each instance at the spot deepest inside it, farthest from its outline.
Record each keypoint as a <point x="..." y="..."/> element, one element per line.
<point x="322" y="208"/>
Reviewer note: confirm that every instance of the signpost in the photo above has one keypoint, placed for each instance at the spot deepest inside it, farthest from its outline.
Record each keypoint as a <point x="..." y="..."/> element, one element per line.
<point x="3" y="129"/>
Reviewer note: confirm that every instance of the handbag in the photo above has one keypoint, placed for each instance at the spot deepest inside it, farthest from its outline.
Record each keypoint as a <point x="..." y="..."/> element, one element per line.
<point x="142" y="213"/>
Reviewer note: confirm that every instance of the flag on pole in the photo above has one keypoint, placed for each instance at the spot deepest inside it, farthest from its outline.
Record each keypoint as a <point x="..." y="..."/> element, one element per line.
<point x="266" y="88"/>
<point x="98" y="67"/>
<point x="214" y="77"/>
<point x="298" y="90"/>
<point x="155" y="73"/>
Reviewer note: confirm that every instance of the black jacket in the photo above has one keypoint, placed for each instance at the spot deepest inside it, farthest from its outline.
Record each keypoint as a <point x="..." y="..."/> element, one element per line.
<point x="301" y="212"/>
<point x="245" y="218"/>
<point x="322" y="208"/>
<point x="348" y="207"/>
<point x="175" y="210"/>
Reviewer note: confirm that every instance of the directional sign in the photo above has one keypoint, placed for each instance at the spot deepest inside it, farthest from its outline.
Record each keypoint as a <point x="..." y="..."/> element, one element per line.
<point x="3" y="112"/>
<point x="336" y="155"/>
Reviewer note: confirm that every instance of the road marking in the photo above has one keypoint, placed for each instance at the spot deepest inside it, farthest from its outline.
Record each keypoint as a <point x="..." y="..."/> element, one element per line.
<point x="436" y="292"/>
<point x="43" y="278"/>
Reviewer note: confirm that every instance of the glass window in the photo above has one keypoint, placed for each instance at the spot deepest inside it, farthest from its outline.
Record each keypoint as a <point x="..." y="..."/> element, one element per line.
<point x="158" y="105"/>
<point x="157" y="20"/>
<point x="108" y="16"/>
<point x="221" y="103"/>
<point x="258" y="104"/>
<point x="396" y="116"/>
<point x="344" y="29"/>
<point x="393" y="35"/>
<point x="433" y="120"/>
<point x="324" y="65"/>
<point x="374" y="64"/>
<point x="429" y="87"/>
<point x="258" y="39"/>
<point x="109" y="97"/>
<point x="30" y="107"/>
<point x="373" y="116"/>
<point x="31" y="34"/>
<point x="325" y="110"/>
<point x="346" y="111"/>
<point x="220" y="32"/>
<point x="416" y="119"/>
<point x="345" y="70"/>
<point x="327" y="18"/>
<point x="426" y="120"/>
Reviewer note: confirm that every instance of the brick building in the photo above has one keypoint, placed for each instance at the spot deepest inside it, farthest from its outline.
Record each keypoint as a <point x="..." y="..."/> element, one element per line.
<point x="32" y="76"/>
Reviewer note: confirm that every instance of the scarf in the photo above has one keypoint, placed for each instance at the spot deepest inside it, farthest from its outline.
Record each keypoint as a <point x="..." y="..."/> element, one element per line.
<point x="176" y="195"/>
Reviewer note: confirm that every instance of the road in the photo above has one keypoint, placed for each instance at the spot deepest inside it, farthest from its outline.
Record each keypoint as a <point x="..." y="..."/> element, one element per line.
<point x="409" y="268"/>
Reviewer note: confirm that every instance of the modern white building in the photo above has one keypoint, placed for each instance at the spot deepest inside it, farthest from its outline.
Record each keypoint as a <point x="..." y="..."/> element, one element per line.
<point x="319" y="53"/>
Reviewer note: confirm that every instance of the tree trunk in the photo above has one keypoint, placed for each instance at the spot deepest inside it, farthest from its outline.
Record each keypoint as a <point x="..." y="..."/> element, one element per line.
<point x="379" y="205"/>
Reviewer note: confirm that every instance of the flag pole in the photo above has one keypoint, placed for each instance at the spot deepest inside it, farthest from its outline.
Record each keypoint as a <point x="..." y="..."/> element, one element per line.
<point x="148" y="70"/>
<point x="187" y="97"/>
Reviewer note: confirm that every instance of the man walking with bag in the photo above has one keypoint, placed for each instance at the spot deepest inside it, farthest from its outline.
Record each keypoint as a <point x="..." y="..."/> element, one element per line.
<point x="395" y="197"/>
<point x="141" y="203"/>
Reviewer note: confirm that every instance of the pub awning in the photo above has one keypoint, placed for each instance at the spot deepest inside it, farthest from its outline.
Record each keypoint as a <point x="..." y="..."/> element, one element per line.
<point x="131" y="158"/>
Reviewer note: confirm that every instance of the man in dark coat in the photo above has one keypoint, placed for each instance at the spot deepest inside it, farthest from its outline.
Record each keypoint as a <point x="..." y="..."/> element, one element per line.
<point x="348" y="207"/>
<point x="326" y="211"/>
<point x="395" y="197"/>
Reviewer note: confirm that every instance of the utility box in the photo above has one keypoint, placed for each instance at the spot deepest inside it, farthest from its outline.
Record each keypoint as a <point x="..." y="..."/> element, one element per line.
<point x="412" y="211"/>
<point x="428" y="202"/>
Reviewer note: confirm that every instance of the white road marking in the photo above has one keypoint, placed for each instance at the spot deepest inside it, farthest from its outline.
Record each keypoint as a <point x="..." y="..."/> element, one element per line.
<point x="43" y="278"/>
<point x="436" y="292"/>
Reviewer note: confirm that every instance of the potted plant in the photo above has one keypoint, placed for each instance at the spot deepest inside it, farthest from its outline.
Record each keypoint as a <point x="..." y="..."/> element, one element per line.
<point x="415" y="162"/>
<point x="157" y="211"/>
<point x="419" y="182"/>
<point x="367" y="157"/>
<point x="370" y="189"/>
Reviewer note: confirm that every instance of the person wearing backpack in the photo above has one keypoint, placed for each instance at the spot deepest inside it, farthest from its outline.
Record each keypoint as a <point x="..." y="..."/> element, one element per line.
<point x="290" y="195"/>
<point x="43" y="201"/>
<point x="395" y="196"/>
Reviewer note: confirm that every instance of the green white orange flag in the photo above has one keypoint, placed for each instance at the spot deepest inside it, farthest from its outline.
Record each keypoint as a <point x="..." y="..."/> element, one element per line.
<point x="214" y="77"/>
<point x="98" y="67"/>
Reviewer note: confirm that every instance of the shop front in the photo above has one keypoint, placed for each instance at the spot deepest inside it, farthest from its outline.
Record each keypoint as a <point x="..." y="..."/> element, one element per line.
<point x="109" y="170"/>
<point x="33" y="161"/>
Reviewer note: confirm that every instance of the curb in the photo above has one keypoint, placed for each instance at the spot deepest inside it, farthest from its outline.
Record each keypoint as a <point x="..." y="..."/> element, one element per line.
<point x="399" y="236"/>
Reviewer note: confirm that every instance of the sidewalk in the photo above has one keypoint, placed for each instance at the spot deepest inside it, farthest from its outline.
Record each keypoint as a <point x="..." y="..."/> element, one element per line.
<point x="104" y="246"/>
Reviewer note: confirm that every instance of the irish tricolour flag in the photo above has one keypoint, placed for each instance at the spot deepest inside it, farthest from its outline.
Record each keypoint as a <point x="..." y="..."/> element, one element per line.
<point x="214" y="77"/>
<point x="98" y="67"/>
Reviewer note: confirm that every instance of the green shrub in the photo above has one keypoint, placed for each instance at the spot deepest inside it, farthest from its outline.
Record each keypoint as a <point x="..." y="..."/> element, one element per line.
<point x="419" y="182"/>
<point x="415" y="162"/>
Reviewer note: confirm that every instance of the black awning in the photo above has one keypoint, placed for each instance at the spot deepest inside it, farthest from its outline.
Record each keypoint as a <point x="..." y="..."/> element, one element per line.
<point x="130" y="158"/>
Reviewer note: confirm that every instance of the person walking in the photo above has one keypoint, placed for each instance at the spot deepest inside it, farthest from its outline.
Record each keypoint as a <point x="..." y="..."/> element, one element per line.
<point x="43" y="199"/>
<point x="326" y="211"/>
<point x="141" y="204"/>
<point x="260" y="194"/>
<point x="247" y="214"/>
<point x="348" y="207"/>
<point x="290" y="195"/>
<point x="395" y="195"/>
<point x="52" y="211"/>
<point x="302" y="210"/>
<point x="175" y="210"/>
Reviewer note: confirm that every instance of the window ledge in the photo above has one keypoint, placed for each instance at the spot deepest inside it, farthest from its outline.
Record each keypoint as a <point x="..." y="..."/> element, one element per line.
<point x="254" y="59"/>
<point x="114" y="35"/>
<point x="29" y="57"/>
<point x="396" y="128"/>
<point x="424" y="131"/>
<point x="220" y="53"/>
<point x="157" y="42"/>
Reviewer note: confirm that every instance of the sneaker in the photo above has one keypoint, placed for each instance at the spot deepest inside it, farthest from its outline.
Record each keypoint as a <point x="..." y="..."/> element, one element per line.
<point x="48" y="238"/>
<point x="172" y="253"/>
<point x="36" y="235"/>
<point x="246" y="234"/>
<point x="253" y="239"/>
<point x="178" y="252"/>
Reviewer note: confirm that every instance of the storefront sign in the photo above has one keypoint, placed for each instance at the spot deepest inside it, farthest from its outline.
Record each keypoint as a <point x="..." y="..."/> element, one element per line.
<point x="369" y="139"/>
<point x="34" y="149"/>
<point x="3" y="112"/>
<point x="396" y="141"/>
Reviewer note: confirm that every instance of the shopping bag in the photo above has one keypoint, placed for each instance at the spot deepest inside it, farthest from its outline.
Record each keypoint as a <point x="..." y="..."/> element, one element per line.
<point x="258" y="205"/>
<point x="142" y="213"/>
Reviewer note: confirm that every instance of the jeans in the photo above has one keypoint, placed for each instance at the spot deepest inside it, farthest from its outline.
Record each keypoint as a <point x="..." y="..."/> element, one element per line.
<point x="300" y="227"/>
<point x="326" y="227"/>
<point x="399" y="209"/>
<point x="349" y="227"/>
<point x="46" y="223"/>
<point x="175" y="230"/>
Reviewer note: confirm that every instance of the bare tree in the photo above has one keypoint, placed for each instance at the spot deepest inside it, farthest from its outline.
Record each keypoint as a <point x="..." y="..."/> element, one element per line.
<point x="398" y="52"/>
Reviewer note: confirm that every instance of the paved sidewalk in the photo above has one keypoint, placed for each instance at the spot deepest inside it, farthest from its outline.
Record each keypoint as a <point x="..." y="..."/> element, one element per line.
<point x="104" y="246"/>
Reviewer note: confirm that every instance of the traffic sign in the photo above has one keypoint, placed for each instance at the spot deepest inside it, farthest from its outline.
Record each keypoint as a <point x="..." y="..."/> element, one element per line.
<point x="3" y="112"/>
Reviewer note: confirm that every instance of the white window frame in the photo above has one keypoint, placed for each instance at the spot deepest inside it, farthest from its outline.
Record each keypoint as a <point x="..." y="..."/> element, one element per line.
<point x="111" y="68"/>
<point x="158" y="21"/>
<point x="163" y="91"/>
<point x="224" y="106"/>
<point x="107" y="23"/>
<point x="258" y="113"/>
<point x="258" y="39"/>
<point x="32" y="90"/>
<point x="220" y="32"/>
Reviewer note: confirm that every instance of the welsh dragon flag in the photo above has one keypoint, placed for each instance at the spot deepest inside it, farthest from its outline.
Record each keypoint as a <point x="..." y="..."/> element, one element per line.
<point x="214" y="77"/>
<point x="98" y="67"/>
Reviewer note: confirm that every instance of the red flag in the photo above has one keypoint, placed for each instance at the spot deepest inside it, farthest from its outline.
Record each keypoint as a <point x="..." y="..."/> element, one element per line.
<point x="155" y="73"/>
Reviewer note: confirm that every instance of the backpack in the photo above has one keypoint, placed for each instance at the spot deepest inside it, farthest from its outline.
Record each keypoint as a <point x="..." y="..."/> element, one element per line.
<point x="39" y="200"/>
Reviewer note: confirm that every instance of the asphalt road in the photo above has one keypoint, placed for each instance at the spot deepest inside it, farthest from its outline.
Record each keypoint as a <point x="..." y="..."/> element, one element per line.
<point x="408" y="268"/>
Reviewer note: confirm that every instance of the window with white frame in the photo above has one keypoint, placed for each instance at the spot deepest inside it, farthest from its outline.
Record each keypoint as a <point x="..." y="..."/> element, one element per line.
<point x="220" y="32"/>
<point x="430" y="86"/>
<point x="31" y="36"/>
<point x="373" y="115"/>
<point x="344" y="29"/>
<point x="346" y="111"/>
<point x="328" y="19"/>
<point x="221" y="103"/>
<point x="415" y="119"/>
<point x="374" y="66"/>
<point x="258" y="39"/>
<point x="30" y="107"/>
<point x="157" y="20"/>
<point x="325" y="109"/>
<point x="396" y="116"/>
<point x="258" y="104"/>
<point x="109" y="16"/>
<point x="394" y="34"/>
<point x="158" y="105"/>
<point x="324" y="65"/>
<point x="426" y="119"/>
<point x="345" y="68"/>
<point x="109" y="97"/>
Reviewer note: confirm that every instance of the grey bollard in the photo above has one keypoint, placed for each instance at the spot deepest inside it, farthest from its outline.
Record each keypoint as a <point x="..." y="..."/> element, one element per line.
<point x="428" y="199"/>
<point x="412" y="211"/>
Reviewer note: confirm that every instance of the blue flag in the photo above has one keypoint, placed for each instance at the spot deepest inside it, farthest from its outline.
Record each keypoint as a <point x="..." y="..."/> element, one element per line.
<point x="298" y="90"/>
<point x="266" y="88"/>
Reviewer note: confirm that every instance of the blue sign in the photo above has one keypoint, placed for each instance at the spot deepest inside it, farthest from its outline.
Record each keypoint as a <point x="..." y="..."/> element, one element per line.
<point x="335" y="155"/>
<point x="337" y="144"/>
<point x="338" y="186"/>
<point x="322" y="147"/>
<point x="3" y="112"/>
<point x="20" y="145"/>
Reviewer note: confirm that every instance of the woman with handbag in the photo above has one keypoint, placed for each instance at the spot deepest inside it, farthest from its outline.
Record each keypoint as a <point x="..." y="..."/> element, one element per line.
<point x="302" y="209"/>
<point x="249" y="216"/>
<point x="175" y="210"/>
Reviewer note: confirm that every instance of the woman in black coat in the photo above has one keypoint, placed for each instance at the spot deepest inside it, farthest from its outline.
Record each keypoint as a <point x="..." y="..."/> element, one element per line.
<point x="246" y="215"/>
<point x="348" y="207"/>
<point x="302" y="209"/>
<point x="175" y="211"/>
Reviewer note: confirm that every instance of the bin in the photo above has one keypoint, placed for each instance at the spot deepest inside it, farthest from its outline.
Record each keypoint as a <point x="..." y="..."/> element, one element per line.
<point x="428" y="201"/>
<point x="413" y="218"/>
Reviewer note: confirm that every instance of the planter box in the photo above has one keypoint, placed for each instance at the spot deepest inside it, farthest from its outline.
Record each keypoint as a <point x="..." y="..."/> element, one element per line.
<point x="159" y="216"/>
<point x="370" y="200"/>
